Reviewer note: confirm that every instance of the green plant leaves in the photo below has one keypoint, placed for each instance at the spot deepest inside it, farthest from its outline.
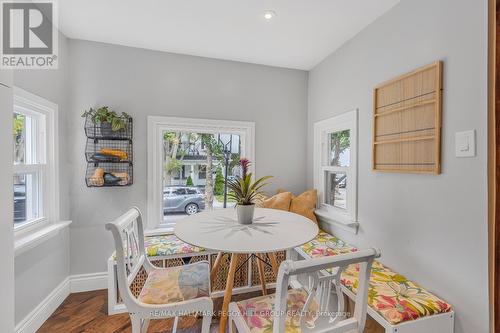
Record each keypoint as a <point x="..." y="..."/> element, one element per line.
<point x="244" y="192"/>
<point x="104" y="115"/>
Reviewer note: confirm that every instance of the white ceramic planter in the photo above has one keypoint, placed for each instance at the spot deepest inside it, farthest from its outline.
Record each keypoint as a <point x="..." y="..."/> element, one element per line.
<point x="245" y="213"/>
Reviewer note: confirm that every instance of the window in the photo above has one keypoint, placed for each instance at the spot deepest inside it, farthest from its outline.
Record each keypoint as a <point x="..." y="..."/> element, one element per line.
<point x="34" y="153"/>
<point x="183" y="156"/>
<point x="335" y="167"/>
<point x="202" y="172"/>
<point x="179" y="173"/>
<point x="185" y="172"/>
<point x="179" y="191"/>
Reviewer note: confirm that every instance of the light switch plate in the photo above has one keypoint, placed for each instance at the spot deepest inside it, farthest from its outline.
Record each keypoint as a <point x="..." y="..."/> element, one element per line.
<point x="465" y="144"/>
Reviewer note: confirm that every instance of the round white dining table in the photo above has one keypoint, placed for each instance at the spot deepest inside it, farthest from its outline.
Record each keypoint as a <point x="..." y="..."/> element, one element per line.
<point x="271" y="231"/>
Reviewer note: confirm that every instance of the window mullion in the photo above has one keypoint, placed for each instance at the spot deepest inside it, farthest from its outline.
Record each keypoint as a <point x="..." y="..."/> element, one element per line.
<point x="335" y="168"/>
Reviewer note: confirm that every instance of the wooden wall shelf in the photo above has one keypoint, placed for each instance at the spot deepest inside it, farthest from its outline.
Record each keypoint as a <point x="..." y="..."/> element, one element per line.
<point x="407" y="122"/>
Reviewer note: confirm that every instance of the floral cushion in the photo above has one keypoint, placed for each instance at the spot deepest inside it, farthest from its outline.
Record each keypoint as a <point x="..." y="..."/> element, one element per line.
<point x="258" y="312"/>
<point x="392" y="295"/>
<point x="176" y="284"/>
<point x="325" y="245"/>
<point x="164" y="245"/>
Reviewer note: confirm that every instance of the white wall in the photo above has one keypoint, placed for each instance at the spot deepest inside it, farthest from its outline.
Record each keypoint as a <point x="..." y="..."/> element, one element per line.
<point x="6" y="213"/>
<point x="141" y="83"/>
<point x="41" y="269"/>
<point x="433" y="229"/>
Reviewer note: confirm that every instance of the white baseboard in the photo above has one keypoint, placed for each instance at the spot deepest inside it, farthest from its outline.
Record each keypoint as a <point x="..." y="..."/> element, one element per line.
<point x="72" y="284"/>
<point x="35" y="319"/>
<point x="88" y="282"/>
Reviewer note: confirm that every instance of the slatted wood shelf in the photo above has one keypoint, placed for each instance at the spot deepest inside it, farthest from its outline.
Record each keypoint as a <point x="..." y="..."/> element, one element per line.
<point x="407" y="122"/>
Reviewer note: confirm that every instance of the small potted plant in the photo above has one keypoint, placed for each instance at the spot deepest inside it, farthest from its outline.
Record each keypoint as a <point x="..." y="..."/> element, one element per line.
<point x="110" y="123"/>
<point x="245" y="192"/>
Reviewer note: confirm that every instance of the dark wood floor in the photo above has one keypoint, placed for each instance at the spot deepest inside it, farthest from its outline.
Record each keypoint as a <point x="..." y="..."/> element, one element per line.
<point x="88" y="312"/>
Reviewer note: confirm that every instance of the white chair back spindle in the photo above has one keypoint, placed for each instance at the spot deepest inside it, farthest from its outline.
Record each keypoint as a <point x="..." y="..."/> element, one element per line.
<point x="319" y="289"/>
<point x="128" y="235"/>
<point x="131" y="256"/>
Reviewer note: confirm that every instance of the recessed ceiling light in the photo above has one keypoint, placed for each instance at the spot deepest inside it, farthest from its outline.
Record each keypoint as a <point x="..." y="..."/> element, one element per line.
<point x="269" y="14"/>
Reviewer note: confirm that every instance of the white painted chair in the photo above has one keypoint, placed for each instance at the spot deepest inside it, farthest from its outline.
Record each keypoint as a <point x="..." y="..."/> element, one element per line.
<point x="167" y="292"/>
<point x="307" y="308"/>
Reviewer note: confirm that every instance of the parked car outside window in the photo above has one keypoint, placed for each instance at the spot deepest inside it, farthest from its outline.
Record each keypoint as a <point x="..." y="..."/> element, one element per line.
<point x="19" y="203"/>
<point x="190" y="200"/>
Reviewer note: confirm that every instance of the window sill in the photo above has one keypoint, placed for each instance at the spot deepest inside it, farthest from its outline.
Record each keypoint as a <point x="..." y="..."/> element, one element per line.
<point x="31" y="240"/>
<point x="341" y="222"/>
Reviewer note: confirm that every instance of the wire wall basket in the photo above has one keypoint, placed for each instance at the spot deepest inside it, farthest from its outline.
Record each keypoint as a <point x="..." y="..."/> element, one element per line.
<point x="109" y="155"/>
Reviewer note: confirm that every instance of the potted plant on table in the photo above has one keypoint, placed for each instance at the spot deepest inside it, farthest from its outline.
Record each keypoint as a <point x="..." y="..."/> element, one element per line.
<point x="246" y="192"/>
<point x="109" y="121"/>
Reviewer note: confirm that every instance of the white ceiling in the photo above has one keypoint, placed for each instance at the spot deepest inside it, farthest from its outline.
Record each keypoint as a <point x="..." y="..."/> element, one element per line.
<point x="302" y="34"/>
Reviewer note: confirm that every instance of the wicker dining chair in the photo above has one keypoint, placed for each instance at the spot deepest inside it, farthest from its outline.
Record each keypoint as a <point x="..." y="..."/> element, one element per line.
<point x="308" y="306"/>
<point x="167" y="292"/>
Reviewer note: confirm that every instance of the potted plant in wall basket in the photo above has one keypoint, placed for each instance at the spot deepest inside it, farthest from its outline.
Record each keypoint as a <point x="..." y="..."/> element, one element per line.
<point x="110" y="122"/>
<point x="245" y="192"/>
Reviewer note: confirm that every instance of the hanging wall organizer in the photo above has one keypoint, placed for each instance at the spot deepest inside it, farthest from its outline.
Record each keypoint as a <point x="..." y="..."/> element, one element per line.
<point x="407" y="122"/>
<point x="109" y="155"/>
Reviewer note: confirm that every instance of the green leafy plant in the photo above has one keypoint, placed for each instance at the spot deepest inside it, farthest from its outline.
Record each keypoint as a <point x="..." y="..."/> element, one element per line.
<point x="18" y="124"/>
<point x="105" y="115"/>
<point x="242" y="189"/>
<point x="219" y="182"/>
<point x="339" y="142"/>
<point x="189" y="181"/>
<point x="173" y="166"/>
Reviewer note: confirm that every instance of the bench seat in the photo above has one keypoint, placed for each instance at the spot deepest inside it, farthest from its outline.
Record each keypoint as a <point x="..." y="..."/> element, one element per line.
<point x="393" y="296"/>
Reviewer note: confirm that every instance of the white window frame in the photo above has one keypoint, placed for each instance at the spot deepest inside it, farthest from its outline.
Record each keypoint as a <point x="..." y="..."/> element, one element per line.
<point x="47" y="163"/>
<point x="157" y="125"/>
<point x="347" y="121"/>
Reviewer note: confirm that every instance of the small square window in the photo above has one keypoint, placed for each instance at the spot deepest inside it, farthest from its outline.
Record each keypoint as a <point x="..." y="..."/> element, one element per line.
<point x="335" y="166"/>
<point x="339" y="148"/>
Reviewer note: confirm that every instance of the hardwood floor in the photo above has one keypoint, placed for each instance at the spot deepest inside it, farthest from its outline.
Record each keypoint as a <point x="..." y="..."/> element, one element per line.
<point x="88" y="312"/>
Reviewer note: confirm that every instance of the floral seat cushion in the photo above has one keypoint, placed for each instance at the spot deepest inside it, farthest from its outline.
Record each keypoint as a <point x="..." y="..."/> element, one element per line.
<point x="325" y="245"/>
<point x="258" y="312"/>
<point x="392" y="295"/>
<point x="164" y="245"/>
<point x="176" y="284"/>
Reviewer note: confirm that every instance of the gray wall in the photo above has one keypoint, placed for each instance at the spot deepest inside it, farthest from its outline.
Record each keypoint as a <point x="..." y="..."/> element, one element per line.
<point x="432" y="229"/>
<point x="141" y="83"/>
<point x="41" y="269"/>
<point x="6" y="213"/>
